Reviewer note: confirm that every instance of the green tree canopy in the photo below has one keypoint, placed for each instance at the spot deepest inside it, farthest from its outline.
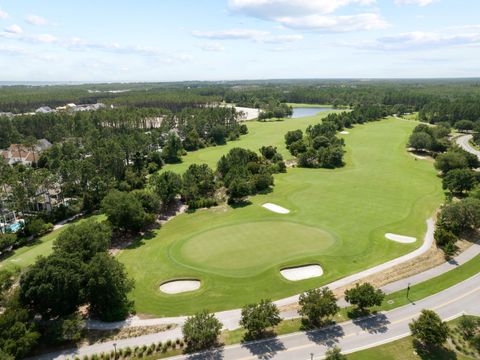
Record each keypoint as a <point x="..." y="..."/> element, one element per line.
<point x="53" y="286"/>
<point x="167" y="186"/>
<point x="124" y="211"/>
<point x="364" y="296"/>
<point x="317" y="305"/>
<point x="84" y="239"/>
<point x="256" y="318"/>
<point x="429" y="329"/>
<point x="201" y="331"/>
<point x="459" y="180"/>
<point x="107" y="287"/>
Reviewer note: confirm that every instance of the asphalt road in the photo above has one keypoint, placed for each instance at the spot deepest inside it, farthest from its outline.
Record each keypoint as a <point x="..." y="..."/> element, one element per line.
<point x="350" y="336"/>
<point x="464" y="142"/>
<point x="355" y="335"/>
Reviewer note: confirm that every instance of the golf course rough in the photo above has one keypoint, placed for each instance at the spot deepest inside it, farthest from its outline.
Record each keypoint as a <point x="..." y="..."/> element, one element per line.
<point x="338" y="218"/>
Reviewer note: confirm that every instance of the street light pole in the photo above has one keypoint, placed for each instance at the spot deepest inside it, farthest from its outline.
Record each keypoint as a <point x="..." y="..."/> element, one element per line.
<point x="311" y="355"/>
<point x="114" y="351"/>
<point x="408" y="291"/>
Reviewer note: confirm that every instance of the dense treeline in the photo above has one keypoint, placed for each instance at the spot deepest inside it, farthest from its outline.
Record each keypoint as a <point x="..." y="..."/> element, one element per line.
<point x="461" y="214"/>
<point x="437" y="100"/>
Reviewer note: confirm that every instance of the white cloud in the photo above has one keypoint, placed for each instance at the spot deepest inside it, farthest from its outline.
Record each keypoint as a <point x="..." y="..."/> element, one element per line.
<point x="14" y="29"/>
<point x="3" y="14"/>
<point x="43" y="38"/>
<point x="270" y="9"/>
<point x="331" y="23"/>
<point x="156" y="54"/>
<point x="247" y="34"/>
<point x="418" y="40"/>
<point x="415" y="2"/>
<point x="211" y="46"/>
<point x="233" y="34"/>
<point x="311" y="14"/>
<point x="36" y="20"/>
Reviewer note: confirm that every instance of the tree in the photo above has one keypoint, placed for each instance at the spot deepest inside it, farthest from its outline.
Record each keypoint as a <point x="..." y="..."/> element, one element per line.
<point x="238" y="190"/>
<point x="293" y="136"/>
<point x="444" y="237"/>
<point x="468" y="326"/>
<point x="218" y="134"/>
<point x="18" y="333"/>
<point x="450" y="160"/>
<point x="364" y="296"/>
<point x="268" y="152"/>
<point x="192" y="141"/>
<point x="53" y="285"/>
<point x="420" y="141"/>
<point x="107" y="287"/>
<point x="318" y="304"/>
<point x="167" y="186"/>
<point x="35" y="227"/>
<point x="334" y="353"/>
<point x="330" y="157"/>
<point x="149" y="199"/>
<point x="173" y="149"/>
<point x="198" y="182"/>
<point x="460" y="216"/>
<point x="256" y="318"/>
<point x="201" y="331"/>
<point x="262" y="181"/>
<point x="464" y="125"/>
<point x="124" y="211"/>
<point x="84" y="239"/>
<point x="459" y="180"/>
<point x="429" y="329"/>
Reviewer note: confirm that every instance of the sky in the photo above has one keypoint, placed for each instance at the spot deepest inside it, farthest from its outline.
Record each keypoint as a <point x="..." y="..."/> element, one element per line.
<point x="176" y="40"/>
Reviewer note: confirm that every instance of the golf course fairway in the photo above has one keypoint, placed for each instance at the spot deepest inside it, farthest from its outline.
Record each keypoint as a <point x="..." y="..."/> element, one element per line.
<point x="337" y="219"/>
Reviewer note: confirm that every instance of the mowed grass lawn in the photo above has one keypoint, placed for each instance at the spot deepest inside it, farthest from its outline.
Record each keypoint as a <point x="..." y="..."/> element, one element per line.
<point x="338" y="219"/>
<point x="27" y="255"/>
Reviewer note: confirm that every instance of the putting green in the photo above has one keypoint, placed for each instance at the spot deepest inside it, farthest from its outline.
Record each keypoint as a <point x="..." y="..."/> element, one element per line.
<point x="338" y="219"/>
<point x="228" y="249"/>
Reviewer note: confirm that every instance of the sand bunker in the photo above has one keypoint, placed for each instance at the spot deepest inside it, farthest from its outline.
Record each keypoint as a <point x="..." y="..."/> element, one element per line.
<point x="302" y="272"/>
<point x="179" y="286"/>
<point x="344" y="132"/>
<point x="400" y="238"/>
<point x="276" y="208"/>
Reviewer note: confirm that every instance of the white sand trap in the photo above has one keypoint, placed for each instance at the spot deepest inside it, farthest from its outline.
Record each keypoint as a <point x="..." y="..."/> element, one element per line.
<point x="179" y="286"/>
<point x="276" y="208"/>
<point x="344" y="132"/>
<point x="400" y="238"/>
<point x="302" y="272"/>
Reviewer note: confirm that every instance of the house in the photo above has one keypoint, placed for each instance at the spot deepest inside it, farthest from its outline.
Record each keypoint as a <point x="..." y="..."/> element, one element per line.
<point x="21" y="154"/>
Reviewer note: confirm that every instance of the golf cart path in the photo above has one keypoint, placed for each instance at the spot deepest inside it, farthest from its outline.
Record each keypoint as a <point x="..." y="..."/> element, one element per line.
<point x="351" y="336"/>
<point x="231" y="318"/>
<point x="464" y="142"/>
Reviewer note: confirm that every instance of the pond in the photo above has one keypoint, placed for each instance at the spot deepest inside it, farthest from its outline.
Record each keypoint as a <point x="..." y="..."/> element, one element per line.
<point x="308" y="111"/>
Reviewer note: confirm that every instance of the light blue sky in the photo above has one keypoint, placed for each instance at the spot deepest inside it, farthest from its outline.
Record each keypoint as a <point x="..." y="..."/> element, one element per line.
<point x="165" y="40"/>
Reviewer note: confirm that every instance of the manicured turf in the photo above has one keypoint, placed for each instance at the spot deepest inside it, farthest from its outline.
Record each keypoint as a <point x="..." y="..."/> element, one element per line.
<point x="338" y="219"/>
<point x="27" y="255"/>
